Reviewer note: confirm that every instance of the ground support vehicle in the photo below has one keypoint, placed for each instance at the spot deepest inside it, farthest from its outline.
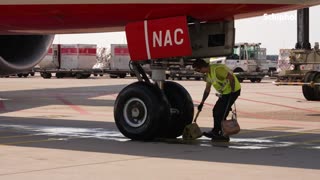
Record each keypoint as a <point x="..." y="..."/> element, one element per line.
<point x="68" y="60"/>
<point x="301" y="66"/>
<point x="254" y="77"/>
<point x="118" y="62"/>
<point x="176" y="72"/>
<point x="248" y="62"/>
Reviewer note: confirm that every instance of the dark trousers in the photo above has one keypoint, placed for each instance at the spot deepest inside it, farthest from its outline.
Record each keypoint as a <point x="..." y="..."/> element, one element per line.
<point x="222" y="108"/>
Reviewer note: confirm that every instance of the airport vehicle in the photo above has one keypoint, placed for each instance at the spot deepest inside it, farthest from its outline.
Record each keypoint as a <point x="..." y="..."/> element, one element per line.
<point x="157" y="31"/>
<point x="187" y="72"/>
<point x="301" y="67"/>
<point x="68" y="60"/>
<point x="116" y="61"/>
<point x="248" y="61"/>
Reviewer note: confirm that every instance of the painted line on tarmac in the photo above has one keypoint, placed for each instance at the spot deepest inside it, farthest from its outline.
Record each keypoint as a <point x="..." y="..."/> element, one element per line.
<point x="287" y="97"/>
<point x="2" y="106"/>
<point x="72" y="106"/>
<point x="280" y="105"/>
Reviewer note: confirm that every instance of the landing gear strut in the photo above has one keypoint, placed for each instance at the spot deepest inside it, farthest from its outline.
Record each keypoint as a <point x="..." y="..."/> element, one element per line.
<point x="145" y="110"/>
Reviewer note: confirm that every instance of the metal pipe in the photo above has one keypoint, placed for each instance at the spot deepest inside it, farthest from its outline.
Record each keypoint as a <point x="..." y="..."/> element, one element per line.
<point x="296" y="83"/>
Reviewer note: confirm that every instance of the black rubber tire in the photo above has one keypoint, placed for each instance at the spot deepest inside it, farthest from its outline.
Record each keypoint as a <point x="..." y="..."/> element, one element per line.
<point x="46" y="75"/>
<point x="255" y="80"/>
<point x="147" y="100"/>
<point x="113" y="76"/>
<point x="240" y="80"/>
<point x="308" y="91"/>
<point x="19" y="75"/>
<point x="59" y="75"/>
<point x="258" y="80"/>
<point x="79" y="76"/>
<point x="122" y="75"/>
<point x="86" y="76"/>
<point x="179" y="99"/>
<point x="316" y="89"/>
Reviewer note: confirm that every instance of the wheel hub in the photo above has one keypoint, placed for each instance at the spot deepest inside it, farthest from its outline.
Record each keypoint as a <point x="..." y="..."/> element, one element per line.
<point x="135" y="112"/>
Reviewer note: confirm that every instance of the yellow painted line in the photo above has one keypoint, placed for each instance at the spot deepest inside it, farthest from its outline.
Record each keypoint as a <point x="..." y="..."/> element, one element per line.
<point x="9" y="137"/>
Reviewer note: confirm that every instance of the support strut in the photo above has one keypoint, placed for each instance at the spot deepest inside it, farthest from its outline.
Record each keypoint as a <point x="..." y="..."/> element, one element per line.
<point x="139" y="72"/>
<point x="303" y="29"/>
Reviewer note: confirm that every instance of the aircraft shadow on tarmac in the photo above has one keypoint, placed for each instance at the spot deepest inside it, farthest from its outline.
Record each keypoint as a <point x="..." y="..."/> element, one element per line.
<point x="103" y="137"/>
<point x="80" y="96"/>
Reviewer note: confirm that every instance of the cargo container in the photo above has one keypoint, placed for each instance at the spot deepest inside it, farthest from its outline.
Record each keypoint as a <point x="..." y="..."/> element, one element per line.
<point x="75" y="60"/>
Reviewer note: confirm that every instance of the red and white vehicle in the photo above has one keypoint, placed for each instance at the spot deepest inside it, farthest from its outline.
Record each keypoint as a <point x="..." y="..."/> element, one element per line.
<point x="75" y="60"/>
<point x="158" y="32"/>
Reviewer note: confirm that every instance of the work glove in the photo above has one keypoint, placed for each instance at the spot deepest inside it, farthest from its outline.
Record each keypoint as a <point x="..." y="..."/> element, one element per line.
<point x="200" y="107"/>
<point x="219" y="95"/>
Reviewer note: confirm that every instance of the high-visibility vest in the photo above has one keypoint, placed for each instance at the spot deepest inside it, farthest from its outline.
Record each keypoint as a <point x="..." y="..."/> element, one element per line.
<point x="218" y="78"/>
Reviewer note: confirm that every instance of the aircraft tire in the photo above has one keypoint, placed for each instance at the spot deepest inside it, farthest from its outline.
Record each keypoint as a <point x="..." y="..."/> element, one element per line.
<point x="179" y="99"/>
<point x="140" y="111"/>
<point x="308" y="91"/>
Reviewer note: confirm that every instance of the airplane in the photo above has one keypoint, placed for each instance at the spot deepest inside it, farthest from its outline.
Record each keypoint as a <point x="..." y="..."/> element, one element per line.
<point x="158" y="32"/>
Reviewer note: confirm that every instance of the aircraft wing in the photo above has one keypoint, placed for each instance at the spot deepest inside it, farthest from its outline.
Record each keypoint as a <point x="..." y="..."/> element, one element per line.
<point x="27" y="26"/>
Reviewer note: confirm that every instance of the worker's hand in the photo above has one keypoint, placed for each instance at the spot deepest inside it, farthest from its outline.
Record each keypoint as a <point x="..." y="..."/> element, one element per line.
<point x="200" y="107"/>
<point x="219" y="95"/>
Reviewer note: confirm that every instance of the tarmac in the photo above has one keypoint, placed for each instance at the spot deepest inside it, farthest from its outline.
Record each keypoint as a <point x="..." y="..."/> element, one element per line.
<point x="63" y="129"/>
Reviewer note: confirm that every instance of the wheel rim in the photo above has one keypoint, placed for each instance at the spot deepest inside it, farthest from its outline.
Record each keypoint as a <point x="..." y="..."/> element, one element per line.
<point x="135" y="112"/>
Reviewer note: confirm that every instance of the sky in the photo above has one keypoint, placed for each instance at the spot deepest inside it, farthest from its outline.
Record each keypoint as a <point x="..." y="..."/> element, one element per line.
<point x="274" y="32"/>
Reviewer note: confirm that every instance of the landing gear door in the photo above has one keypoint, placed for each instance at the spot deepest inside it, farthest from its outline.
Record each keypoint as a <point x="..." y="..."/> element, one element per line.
<point x="212" y="39"/>
<point x="175" y="37"/>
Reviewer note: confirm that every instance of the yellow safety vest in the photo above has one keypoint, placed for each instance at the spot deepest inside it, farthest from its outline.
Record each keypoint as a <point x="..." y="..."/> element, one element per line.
<point x="218" y="78"/>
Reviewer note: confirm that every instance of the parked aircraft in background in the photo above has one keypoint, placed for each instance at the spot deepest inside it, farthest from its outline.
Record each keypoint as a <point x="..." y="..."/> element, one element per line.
<point x="160" y="30"/>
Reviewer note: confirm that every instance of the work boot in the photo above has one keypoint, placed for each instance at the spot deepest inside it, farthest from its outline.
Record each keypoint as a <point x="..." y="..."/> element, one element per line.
<point x="220" y="138"/>
<point x="211" y="134"/>
<point x="216" y="136"/>
<point x="208" y="134"/>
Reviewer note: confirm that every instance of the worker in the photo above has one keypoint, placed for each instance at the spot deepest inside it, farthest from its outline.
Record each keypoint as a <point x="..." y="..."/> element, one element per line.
<point x="228" y="90"/>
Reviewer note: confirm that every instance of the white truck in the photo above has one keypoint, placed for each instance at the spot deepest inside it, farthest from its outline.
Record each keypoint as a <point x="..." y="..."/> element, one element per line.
<point x="248" y="61"/>
<point x="118" y="61"/>
<point x="75" y="60"/>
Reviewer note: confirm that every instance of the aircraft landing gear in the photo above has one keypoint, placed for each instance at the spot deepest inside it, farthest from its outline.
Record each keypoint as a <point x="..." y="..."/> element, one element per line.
<point x="145" y="110"/>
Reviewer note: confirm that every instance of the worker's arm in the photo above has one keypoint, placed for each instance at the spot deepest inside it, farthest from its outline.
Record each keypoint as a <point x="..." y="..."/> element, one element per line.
<point x="230" y="77"/>
<point x="205" y="95"/>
